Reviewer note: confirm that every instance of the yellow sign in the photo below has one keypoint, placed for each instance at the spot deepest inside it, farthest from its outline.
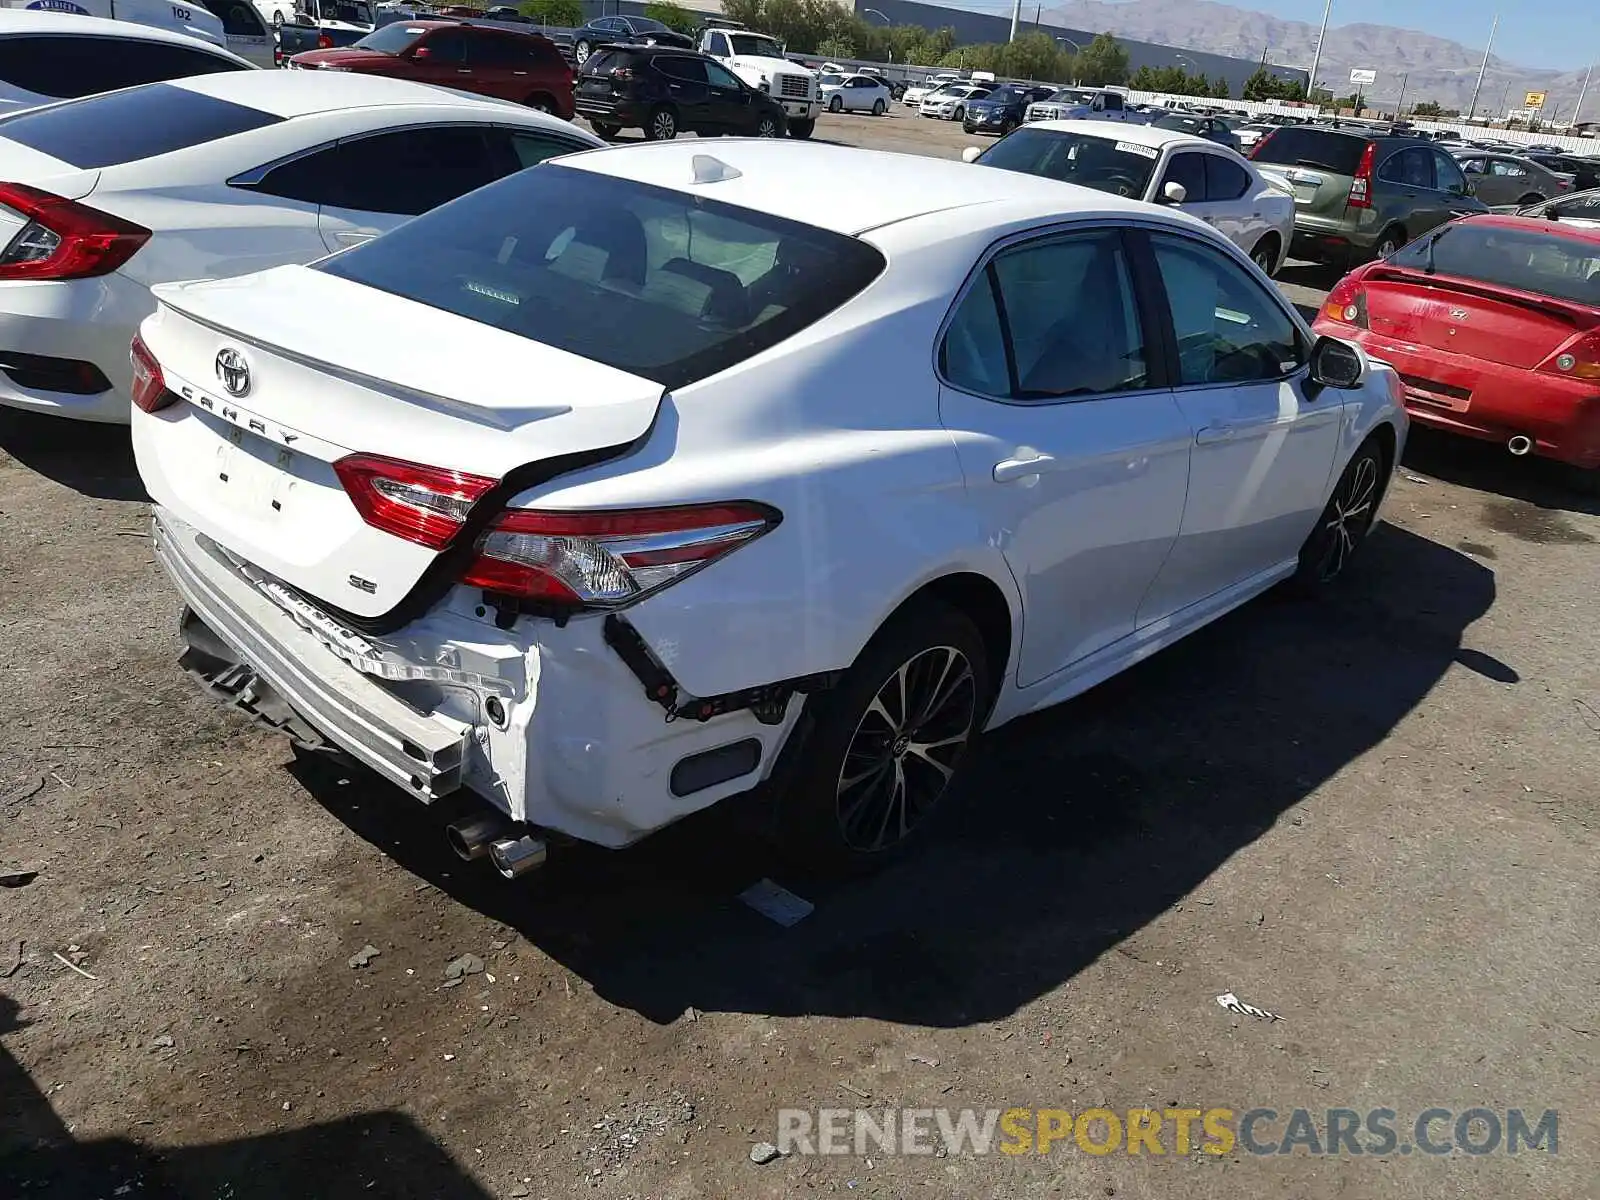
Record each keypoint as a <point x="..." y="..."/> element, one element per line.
<point x="1534" y="100"/>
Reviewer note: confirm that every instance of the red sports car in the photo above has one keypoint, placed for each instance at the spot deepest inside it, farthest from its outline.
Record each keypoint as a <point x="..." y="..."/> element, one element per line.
<point x="1493" y="323"/>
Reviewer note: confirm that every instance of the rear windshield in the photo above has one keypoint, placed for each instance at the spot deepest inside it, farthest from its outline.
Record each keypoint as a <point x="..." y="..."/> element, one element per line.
<point x="1529" y="260"/>
<point x="670" y="286"/>
<point x="1105" y="164"/>
<point x="124" y="127"/>
<point x="391" y="39"/>
<point x="602" y="62"/>
<point x="1072" y="96"/>
<point x="1302" y="146"/>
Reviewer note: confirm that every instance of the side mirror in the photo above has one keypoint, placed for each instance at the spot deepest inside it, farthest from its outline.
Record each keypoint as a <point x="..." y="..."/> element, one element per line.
<point x="970" y="154"/>
<point x="1337" y="364"/>
<point x="1174" y="193"/>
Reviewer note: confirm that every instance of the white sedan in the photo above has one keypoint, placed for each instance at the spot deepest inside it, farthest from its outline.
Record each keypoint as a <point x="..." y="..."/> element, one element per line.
<point x="915" y="95"/>
<point x="211" y="176"/>
<point x="1162" y="166"/>
<point x="950" y="103"/>
<point x="702" y="466"/>
<point x="856" y="93"/>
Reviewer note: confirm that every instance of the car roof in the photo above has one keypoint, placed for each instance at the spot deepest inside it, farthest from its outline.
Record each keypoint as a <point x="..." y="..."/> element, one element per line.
<point x="290" y="94"/>
<point x="1575" y="233"/>
<point x="17" y="22"/>
<point x="841" y="187"/>
<point x="1140" y="135"/>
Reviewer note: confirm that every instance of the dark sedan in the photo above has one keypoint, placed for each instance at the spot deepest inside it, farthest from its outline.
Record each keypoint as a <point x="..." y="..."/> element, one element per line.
<point x="1002" y="110"/>
<point x="625" y="30"/>
<point x="1213" y="129"/>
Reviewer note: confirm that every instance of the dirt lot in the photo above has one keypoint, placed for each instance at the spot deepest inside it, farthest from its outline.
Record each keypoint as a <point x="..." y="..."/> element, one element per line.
<point x="1374" y="816"/>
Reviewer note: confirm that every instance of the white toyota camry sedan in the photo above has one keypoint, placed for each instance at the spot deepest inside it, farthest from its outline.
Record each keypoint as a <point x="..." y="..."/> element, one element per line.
<point x="1162" y="166"/>
<point x="706" y="466"/>
<point x="209" y="176"/>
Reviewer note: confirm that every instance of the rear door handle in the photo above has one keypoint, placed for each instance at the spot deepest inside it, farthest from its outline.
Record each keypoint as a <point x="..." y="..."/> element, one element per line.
<point x="1027" y="463"/>
<point x="1212" y="434"/>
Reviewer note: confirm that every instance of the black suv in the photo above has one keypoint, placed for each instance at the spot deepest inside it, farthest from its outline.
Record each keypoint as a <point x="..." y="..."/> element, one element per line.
<point x="666" y="92"/>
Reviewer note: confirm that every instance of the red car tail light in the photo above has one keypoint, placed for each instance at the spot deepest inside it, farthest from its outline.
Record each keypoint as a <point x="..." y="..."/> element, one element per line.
<point x="149" y="384"/>
<point x="607" y="559"/>
<point x="325" y="42"/>
<point x="64" y="239"/>
<point x="1347" y="303"/>
<point x="1579" y="358"/>
<point x="424" y="505"/>
<point x="1361" y="185"/>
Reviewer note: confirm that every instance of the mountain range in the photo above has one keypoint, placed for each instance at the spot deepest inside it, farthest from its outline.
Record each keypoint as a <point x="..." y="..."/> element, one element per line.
<point x="1434" y="68"/>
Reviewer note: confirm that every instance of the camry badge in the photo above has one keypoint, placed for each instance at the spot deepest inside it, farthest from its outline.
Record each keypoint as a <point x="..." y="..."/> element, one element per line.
<point x="233" y="371"/>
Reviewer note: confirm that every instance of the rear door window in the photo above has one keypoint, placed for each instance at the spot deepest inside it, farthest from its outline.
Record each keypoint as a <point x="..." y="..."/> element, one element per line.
<point x="124" y="127"/>
<point x="69" y="66"/>
<point x="668" y="286"/>
<point x="1299" y="145"/>
<point x="404" y="172"/>
<point x="1188" y="169"/>
<point x="1225" y="180"/>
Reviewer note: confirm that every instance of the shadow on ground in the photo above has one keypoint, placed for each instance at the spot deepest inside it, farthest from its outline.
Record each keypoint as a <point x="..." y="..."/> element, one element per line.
<point x="1490" y="467"/>
<point x="1078" y="825"/>
<point x="374" y="1154"/>
<point x="96" y="460"/>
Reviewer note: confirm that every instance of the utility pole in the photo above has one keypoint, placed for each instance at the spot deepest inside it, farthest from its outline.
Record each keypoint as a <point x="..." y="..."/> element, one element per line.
<point x="1316" y="57"/>
<point x="1016" y="18"/>
<point x="1577" y="112"/>
<point x="1472" y="108"/>
<point x="1400" y="106"/>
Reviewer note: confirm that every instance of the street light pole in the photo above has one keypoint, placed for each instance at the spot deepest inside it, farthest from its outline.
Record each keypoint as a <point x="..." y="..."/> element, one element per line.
<point x="1016" y="16"/>
<point x="1577" y="112"/>
<point x="1400" y="105"/>
<point x="1077" y="50"/>
<point x="1316" y="56"/>
<point x="1473" y="107"/>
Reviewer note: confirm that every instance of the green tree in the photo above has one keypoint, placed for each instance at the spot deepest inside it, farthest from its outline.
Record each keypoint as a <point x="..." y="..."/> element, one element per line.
<point x="560" y="13"/>
<point x="1145" y="80"/>
<point x="1427" y="108"/>
<point x="1220" y="90"/>
<point x="836" y="47"/>
<point x="1103" y="61"/>
<point x="1031" y="56"/>
<point x="673" y="16"/>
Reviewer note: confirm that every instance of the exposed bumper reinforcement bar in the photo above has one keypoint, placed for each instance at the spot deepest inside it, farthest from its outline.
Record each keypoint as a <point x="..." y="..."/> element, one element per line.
<point x="247" y="650"/>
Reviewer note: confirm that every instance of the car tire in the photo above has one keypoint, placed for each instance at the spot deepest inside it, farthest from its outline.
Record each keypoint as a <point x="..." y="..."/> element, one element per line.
<point x="581" y="50"/>
<point x="1345" y="522"/>
<point x="1530" y="198"/>
<point x="801" y="130"/>
<point x="768" y="126"/>
<point x="660" y="124"/>
<point x="879" y="107"/>
<point x="604" y="130"/>
<point x="1266" y="253"/>
<point x="865" y="792"/>
<point x="539" y="102"/>
<point x="1007" y="126"/>
<point x="1390" y="240"/>
<point x="835" y="105"/>
<point x="960" y="114"/>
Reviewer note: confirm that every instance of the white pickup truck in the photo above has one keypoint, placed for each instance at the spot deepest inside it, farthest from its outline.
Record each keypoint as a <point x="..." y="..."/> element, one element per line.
<point x="758" y="59"/>
<point x="1085" y="104"/>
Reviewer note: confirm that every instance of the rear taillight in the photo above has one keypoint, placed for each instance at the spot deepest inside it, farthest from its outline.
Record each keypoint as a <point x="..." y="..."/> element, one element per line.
<point x="1361" y="185"/>
<point x="579" y="560"/>
<point x="1579" y="358"/>
<point x="324" y="42"/>
<point x="64" y="239"/>
<point x="424" y="505"/>
<point x="1261" y="143"/>
<point x="1347" y="302"/>
<point x="149" y="385"/>
<point x="622" y="73"/>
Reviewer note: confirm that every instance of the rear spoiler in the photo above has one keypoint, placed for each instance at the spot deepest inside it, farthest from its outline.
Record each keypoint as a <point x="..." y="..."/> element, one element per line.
<point x="1578" y="315"/>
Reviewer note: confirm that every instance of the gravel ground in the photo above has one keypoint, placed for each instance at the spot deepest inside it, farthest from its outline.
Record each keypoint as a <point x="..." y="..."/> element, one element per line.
<point x="1374" y="816"/>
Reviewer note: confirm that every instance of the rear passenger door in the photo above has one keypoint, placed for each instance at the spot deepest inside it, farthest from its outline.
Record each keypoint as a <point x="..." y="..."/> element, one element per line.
<point x="1074" y="451"/>
<point x="689" y="90"/>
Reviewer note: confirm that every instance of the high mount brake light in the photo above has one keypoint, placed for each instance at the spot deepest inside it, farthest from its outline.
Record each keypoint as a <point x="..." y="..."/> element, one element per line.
<point x="64" y="239"/>
<point x="603" y="560"/>
<point x="424" y="505"/>
<point x="149" y="385"/>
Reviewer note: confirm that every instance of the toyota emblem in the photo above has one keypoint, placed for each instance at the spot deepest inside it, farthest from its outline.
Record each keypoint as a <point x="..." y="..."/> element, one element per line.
<point x="233" y="371"/>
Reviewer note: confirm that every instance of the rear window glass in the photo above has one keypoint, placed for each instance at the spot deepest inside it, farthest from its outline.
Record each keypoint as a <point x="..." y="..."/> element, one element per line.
<point x="602" y="62"/>
<point x="124" y="127"/>
<point x="67" y="66"/>
<point x="391" y="39"/>
<point x="1529" y="260"/>
<point x="670" y="286"/>
<point x="1299" y="146"/>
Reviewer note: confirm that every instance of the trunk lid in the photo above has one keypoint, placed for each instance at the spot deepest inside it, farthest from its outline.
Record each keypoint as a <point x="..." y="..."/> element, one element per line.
<point x="23" y="164"/>
<point x="336" y="369"/>
<point x="1463" y="317"/>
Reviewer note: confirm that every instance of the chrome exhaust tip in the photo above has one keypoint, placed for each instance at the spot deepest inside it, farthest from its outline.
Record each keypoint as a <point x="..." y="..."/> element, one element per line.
<point x="1520" y="444"/>
<point x="515" y="857"/>
<point x="471" y="837"/>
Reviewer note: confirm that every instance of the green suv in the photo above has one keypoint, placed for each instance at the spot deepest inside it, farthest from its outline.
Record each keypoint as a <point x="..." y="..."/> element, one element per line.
<point x="1360" y="196"/>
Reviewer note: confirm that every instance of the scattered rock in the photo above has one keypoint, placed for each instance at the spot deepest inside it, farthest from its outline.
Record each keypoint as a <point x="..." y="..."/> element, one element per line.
<point x="467" y="964"/>
<point x="25" y="789"/>
<point x="364" y="955"/>
<point x="18" y="877"/>
<point x="285" y="1106"/>
<point x="12" y="960"/>
<point x="923" y="1059"/>
<point x="164" y="1042"/>
<point x="1260" y="918"/>
<point x="497" y="944"/>
<point x="691" y="1013"/>
<point x="764" y="1152"/>
<point x="518" y="1192"/>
